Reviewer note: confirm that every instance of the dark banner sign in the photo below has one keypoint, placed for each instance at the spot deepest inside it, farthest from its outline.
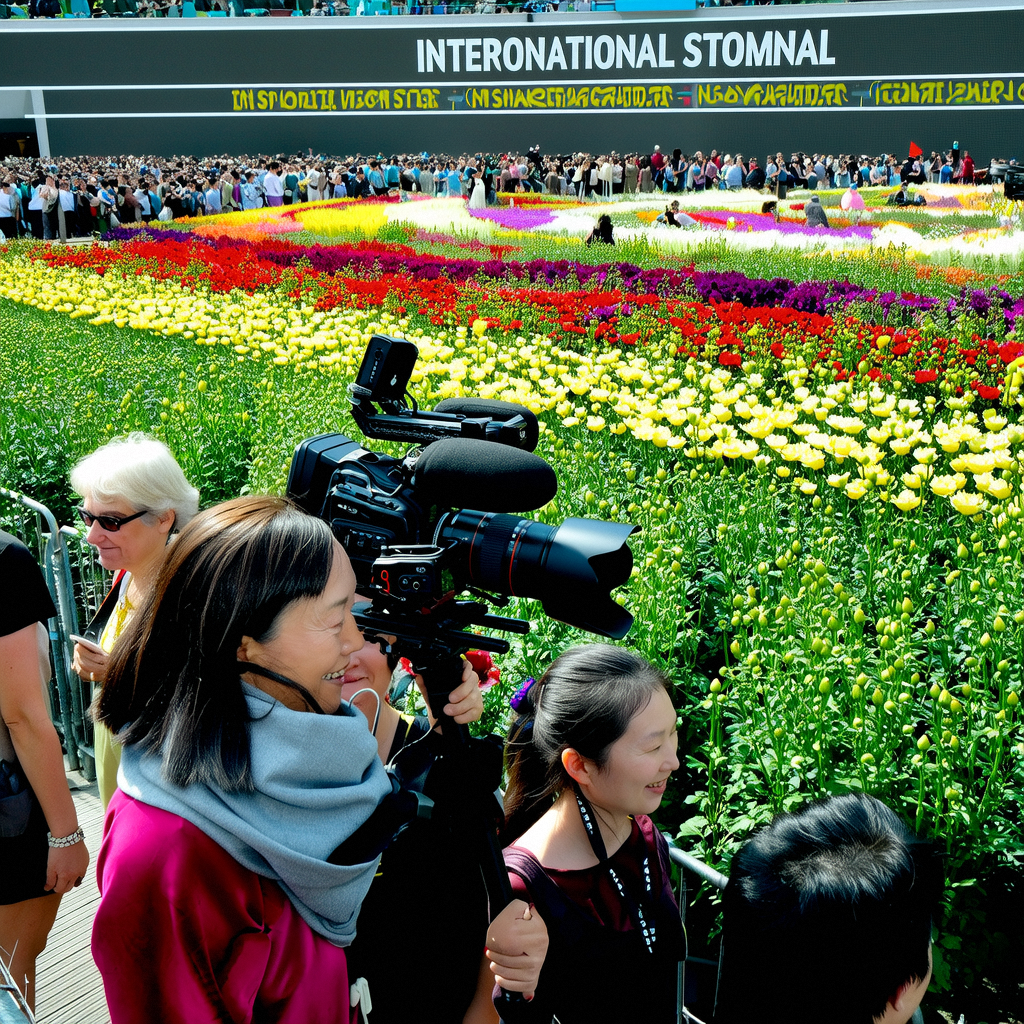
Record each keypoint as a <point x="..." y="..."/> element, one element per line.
<point x="451" y="82"/>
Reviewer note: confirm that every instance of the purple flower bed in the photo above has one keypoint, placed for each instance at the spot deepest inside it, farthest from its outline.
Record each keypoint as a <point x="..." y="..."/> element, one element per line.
<point x="766" y="222"/>
<point x="123" y="234"/>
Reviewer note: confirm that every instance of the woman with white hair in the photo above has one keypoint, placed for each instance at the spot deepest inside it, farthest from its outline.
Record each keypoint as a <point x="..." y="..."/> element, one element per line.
<point x="134" y="498"/>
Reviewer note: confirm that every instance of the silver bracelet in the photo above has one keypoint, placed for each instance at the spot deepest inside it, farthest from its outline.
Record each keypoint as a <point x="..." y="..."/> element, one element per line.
<point x="59" y="844"/>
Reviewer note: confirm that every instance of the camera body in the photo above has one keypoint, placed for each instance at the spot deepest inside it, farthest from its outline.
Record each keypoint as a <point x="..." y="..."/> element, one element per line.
<point x="409" y="543"/>
<point x="1013" y="182"/>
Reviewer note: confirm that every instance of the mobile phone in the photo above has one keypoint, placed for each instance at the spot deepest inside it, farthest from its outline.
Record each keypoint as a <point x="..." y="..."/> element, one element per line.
<point x="89" y="645"/>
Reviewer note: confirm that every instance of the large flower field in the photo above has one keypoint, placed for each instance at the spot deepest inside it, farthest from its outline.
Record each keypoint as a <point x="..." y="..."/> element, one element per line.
<point x="819" y="431"/>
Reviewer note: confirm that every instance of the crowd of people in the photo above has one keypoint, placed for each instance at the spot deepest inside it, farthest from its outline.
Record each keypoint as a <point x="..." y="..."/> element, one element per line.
<point x="246" y="725"/>
<point x="326" y="8"/>
<point x="57" y="198"/>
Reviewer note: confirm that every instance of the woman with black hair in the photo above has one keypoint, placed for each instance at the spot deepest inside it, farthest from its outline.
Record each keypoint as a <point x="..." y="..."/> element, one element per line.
<point x="602" y="232"/>
<point x="589" y="758"/>
<point x="227" y="894"/>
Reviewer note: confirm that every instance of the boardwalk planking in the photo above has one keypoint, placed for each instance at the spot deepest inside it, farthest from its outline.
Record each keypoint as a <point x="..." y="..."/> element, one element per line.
<point x="70" y="988"/>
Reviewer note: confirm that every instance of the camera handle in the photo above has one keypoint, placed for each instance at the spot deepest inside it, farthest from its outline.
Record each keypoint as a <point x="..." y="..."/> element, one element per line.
<point x="433" y="640"/>
<point x="442" y="673"/>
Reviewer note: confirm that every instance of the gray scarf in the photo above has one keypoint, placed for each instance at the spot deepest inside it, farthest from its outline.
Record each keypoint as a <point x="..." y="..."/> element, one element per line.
<point x="317" y="779"/>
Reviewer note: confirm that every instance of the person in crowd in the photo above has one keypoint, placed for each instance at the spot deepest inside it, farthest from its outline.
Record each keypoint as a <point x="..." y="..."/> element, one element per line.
<point x="359" y="188"/>
<point x="87" y="205"/>
<point x="807" y="896"/>
<point x="129" y="204"/>
<point x="213" y="197"/>
<point x="8" y="211"/>
<point x="67" y="205"/>
<point x="618" y="176"/>
<point x="227" y="890"/>
<point x="273" y="186"/>
<point x="552" y="181"/>
<point x="646" y="179"/>
<point x="782" y="181"/>
<point x="842" y="172"/>
<point x="796" y="176"/>
<point x="589" y="757"/>
<point x="134" y="499"/>
<point x="291" y="185"/>
<point x="755" y="175"/>
<point x="426" y="179"/>
<point x="142" y="196"/>
<point x="376" y="179"/>
<point x="42" y="847"/>
<point x="697" y="174"/>
<point x="821" y="165"/>
<point x="250" y="194"/>
<point x="964" y="173"/>
<point x="314" y="183"/>
<point x="814" y="213"/>
<point x="106" y="193"/>
<point x="683" y="172"/>
<point x="631" y="175"/>
<point x="407" y="178"/>
<point x="478" y="195"/>
<point x="393" y="174"/>
<point x="735" y="174"/>
<point x="604" y="176"/>
<point x="49" y="201"/>
<point x="226" y="184"/>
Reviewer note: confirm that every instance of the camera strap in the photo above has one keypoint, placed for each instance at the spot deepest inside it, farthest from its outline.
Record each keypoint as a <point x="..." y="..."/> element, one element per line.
<point x="635" y="907"/>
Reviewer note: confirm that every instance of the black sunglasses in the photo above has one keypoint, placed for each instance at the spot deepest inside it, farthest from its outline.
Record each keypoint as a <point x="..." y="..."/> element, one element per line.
<point x="110" y="524"/>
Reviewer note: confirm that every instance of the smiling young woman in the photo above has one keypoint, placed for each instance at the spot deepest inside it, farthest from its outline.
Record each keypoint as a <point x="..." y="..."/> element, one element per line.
<point x="589" y="758"/>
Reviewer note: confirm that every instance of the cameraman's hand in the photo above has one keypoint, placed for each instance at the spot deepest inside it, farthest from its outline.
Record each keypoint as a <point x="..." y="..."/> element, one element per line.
<point x="517" y="942"/>
<point x="465" y="702"/>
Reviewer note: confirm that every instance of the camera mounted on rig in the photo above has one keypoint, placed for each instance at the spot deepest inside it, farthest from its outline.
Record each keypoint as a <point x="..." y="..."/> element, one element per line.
<point x="400" y="521"/>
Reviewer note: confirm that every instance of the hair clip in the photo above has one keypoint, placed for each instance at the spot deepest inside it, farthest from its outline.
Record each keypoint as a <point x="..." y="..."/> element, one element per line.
<point x="518" y="703"/>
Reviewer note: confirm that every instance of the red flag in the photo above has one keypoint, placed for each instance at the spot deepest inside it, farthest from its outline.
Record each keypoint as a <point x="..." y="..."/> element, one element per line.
<point x="915" y="150"/>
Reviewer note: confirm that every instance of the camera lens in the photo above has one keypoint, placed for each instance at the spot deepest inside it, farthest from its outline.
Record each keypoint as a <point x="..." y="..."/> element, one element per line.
<point x="569" y="568"/>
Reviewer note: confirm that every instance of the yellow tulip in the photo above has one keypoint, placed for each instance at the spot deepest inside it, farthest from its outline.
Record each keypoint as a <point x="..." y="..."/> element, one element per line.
<point x="906" y="500"/>
<point x="968" y="504"/>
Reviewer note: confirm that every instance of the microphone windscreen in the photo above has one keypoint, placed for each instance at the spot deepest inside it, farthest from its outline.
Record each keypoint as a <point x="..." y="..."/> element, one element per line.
<point x="461" y="472"/>
<point x="477" y="407"/>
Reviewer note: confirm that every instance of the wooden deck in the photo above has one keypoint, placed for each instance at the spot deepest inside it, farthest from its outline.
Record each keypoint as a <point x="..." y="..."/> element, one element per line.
<point x="70" y="990"/>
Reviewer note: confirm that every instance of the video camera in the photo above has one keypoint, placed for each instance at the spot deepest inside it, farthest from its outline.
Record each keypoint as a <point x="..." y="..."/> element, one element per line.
<point x="416" y="550"/>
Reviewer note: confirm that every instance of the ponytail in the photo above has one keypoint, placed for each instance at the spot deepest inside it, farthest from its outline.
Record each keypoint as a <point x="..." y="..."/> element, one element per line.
<point x="585" y="702"/>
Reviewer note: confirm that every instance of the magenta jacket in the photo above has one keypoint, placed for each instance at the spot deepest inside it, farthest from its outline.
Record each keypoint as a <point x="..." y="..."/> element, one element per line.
<point x="186" y="935"/>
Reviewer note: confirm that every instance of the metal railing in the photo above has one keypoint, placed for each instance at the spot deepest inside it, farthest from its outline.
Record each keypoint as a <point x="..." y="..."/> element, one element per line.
<point x="76" y="583"/>
<point x="13" y="1008"/>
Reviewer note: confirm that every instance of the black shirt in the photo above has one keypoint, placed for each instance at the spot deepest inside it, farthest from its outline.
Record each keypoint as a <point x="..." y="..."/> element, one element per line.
<point x="24" y="598"/>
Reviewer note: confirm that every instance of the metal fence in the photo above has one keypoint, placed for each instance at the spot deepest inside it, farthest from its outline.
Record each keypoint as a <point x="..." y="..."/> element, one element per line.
<point x="77" y="584"/>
